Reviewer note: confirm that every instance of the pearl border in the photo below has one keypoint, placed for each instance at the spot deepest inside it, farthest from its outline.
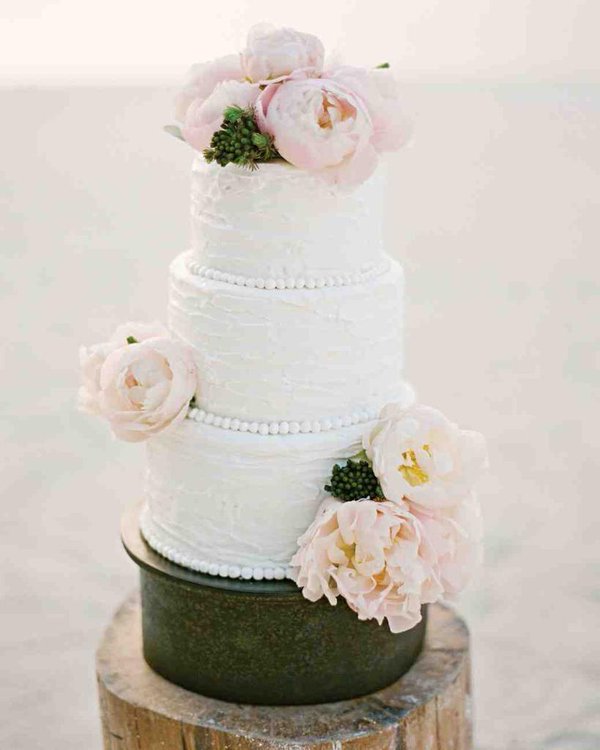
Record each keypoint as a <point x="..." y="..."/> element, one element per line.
<point x="284" y="427"/>
<point x="270" y="284"/>
<point x="244" y="572"/>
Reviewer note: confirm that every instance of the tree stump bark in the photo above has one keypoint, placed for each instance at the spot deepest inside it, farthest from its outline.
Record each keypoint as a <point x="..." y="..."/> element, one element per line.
<point x="427" y="709"/>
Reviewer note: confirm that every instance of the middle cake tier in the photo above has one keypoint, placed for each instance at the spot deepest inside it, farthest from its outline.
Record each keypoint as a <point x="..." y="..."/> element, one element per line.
<point x="300" y="354"/>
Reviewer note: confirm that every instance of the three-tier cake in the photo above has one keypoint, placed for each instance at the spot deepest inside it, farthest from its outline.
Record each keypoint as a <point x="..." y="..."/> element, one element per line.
<point x="282" y="441"/>
<point x="278" y="299"/>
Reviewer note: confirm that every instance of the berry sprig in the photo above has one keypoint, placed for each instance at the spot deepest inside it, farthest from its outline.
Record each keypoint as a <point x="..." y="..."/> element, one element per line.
<point x="239" y="141"/>
<point x="354" y="481"/>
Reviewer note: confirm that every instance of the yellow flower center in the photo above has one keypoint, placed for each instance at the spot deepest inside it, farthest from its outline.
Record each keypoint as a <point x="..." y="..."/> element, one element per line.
<point x="380" y="578"/>
<point x="325" y="117"/>
<point x="333" y="110"/>
<point x="411" y="470"/>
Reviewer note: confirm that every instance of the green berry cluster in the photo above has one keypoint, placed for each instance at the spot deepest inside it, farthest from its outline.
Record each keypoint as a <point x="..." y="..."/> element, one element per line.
<point x="354" y="481"/>
<point x="239" y="141"/>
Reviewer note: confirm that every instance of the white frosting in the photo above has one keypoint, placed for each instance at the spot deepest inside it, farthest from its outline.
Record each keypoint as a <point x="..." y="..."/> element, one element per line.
<point x="294" y="315"/>
<point x="280" y="222"/>
<point x="201" y="564"/>
<point x="228" y="499"/>
<point x="290" y="354"/>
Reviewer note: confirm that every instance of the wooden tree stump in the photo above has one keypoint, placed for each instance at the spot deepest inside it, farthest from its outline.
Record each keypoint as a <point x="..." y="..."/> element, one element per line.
<point x="427" y="709"/>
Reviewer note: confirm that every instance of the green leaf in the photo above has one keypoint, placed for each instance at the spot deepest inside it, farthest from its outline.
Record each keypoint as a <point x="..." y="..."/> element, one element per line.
<point x="132" y="340"/>
<point x="382" y="65"/>
<point x="174" y="130"/>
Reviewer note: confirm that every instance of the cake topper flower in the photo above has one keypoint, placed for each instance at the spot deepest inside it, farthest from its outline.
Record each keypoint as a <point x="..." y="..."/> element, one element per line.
<point x="272" y="54"/>
<point x="277" y="100"/>
<point x="321" y="126"/>
<point x="140" y="381"/>
<point x="402" y="525"/>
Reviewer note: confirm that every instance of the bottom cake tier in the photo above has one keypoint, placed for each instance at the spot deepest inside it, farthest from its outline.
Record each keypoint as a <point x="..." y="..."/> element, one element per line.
<point x="234" y="503"/>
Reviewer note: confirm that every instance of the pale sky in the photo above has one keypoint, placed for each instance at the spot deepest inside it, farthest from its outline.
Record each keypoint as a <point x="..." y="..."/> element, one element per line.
<point x="124" y="41"/>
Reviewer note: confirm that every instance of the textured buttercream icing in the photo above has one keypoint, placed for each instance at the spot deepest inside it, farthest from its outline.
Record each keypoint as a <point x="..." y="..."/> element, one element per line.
<point x="293" y="314"/>
<point x="290" y="354"/>
<point x="237" y="499"/>
<point x="281" y="222"/>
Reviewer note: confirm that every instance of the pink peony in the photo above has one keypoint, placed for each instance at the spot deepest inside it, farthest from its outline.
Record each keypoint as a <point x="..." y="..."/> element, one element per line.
<point x="453" y="538"/>
<point x="372" y="554"/>
<point x="320" y="126"/>
<point x="379" y="90"/>
<point x="273" y="53"/>
<point x="204" y="116"/>
<point x="423" y="459"/>
<point x="420" y="544"/>
<point x="91" y="359"/>
<point x="203" y="78"/>
<point x="140" y="387"/>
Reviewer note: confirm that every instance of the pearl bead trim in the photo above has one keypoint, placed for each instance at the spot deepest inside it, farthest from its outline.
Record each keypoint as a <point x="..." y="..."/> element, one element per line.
<point x="319" y="282"/>
<point x="245" y="572"/>
<point x="282" y="428"/>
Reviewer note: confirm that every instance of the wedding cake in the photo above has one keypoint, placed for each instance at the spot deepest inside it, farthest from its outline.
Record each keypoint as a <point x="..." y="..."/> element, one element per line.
<point x="282" y="440"/>
<point x="275" y="300"/>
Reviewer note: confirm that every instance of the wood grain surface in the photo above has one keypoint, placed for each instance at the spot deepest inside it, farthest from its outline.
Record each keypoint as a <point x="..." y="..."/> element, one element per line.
<point x="428" y="709"/>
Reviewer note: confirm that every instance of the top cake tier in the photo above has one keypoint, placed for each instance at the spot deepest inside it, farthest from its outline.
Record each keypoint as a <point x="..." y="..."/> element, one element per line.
<point x="279" y="222"/>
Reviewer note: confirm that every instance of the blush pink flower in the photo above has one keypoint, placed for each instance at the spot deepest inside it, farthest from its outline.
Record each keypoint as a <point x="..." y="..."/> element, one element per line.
<point x="380" y="92"/>
<point x="429" y="466"/>
<point x="141" y="387"/>
<point x="273" y="53"/>
<point x="91" y="359"/>
<point x="202" y="79"/>
<point x="320" y="126"/>
<point x="204" y="116"/>
<point x="423" y="459"/>
<point x="372" y="554"/>
<point x="270" y="54"/>
<point x="453" y="540"/>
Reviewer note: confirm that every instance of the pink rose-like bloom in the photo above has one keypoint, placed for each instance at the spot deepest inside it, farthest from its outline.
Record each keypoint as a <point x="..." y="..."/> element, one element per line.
<point x="453" y="538"/>
<point x="320" y="126"/>
<point x="273" y="53"/>
<point x="379" y="90"/>
<point x="423" y="459"/>
<point x="204" y="116"/>
<point x="91" y="359"/>
<point x="373" y="555"/>
<point x="140" y="388"/>
<point x="202" y="79"/>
